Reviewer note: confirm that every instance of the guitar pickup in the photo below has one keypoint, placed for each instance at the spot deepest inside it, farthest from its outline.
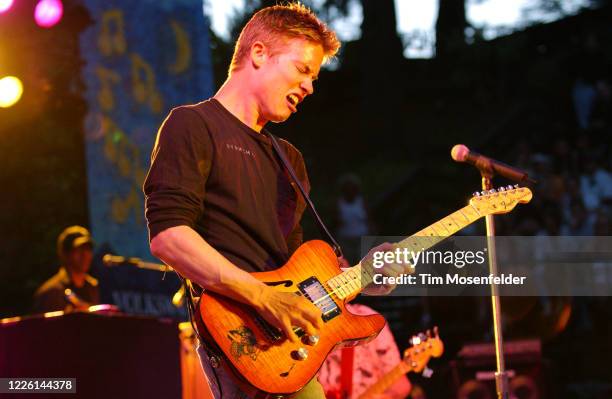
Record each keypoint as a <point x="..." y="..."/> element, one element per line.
<point x="315" y="292"/>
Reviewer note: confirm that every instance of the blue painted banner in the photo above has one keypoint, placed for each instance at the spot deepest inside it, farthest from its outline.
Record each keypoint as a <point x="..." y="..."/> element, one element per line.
<point x="142" y="58"/>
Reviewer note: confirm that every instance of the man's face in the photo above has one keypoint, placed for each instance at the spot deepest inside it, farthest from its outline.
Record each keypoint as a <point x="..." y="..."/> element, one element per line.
<point x="286" y="78"/>
<point x="79" y="259"/>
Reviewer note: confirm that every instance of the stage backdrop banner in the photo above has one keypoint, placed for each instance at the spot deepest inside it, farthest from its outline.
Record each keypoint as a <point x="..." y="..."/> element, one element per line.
<point x="142" y="58"/>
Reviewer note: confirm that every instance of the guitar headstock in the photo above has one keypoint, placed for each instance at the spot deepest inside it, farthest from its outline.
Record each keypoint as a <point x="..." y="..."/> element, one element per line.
<point x="501" y="200"/>
<point x="424" y="347"/>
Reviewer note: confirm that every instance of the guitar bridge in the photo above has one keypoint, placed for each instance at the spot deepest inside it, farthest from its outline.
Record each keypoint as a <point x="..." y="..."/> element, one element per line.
<point x="315" y="292"/>
<point x="272" y="333"/>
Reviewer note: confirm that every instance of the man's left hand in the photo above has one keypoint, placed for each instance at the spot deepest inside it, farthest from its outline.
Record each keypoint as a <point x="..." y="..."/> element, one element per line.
<point x="388" y="270"/>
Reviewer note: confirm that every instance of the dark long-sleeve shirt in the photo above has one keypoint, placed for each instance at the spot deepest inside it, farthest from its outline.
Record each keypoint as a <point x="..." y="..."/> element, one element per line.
<point x="211" y="172"/>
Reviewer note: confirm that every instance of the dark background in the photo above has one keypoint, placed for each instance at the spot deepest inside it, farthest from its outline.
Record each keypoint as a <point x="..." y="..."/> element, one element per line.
<point x="391" y="121"/>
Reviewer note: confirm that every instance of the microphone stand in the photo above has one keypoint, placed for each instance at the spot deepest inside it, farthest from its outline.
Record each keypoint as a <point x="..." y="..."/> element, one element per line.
<point x="178" y="297"/>
<point x="112" y="261"/>
<point x="501" y="376"/>
<point x="153" y="266"/>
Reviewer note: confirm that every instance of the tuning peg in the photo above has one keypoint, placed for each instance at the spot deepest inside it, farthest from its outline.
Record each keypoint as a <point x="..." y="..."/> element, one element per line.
<point x="483" y="192"/>
<point x="476" y="194"/>
<point x="492" y="191"/>
<point x="435" y="331"/>
<point x="428" y="332"/>
<point x="509" y="187"/>
<point x="502" y="189"/>
<point x="516" y="186"/>
<point x="427" y="372"/>
<point x="415" y="340"/>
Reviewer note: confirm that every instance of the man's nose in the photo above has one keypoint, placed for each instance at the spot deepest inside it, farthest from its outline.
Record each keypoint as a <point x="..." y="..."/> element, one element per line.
<point x="307" y="86"/>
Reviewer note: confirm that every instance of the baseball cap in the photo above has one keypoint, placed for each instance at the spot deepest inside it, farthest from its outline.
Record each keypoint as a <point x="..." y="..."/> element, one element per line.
<point x="73" y="237"/>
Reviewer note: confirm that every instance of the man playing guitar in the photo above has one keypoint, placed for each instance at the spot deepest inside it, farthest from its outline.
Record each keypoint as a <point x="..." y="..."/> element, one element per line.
<point x="219" y="204"/>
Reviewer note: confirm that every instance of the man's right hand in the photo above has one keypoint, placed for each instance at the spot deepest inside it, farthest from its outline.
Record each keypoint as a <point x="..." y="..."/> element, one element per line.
<point x="191" y="256"/>
<point x="285" y="310"/>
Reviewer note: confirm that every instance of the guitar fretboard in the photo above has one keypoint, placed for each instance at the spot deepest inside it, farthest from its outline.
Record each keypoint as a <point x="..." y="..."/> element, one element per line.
<point x="352" y="280"/>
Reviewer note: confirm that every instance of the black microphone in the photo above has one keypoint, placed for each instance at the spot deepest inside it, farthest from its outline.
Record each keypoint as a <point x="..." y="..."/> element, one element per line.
<point x="461" y="153"/>
<point x="116" y="260"/>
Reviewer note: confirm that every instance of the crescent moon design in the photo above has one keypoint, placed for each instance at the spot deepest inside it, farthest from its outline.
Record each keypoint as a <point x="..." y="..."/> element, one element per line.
<point x="183" y="49"/>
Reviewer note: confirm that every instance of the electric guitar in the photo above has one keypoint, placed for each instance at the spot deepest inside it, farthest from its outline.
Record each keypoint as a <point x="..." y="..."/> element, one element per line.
<point x="424" y="347"/>
<point x="259" y="355"/>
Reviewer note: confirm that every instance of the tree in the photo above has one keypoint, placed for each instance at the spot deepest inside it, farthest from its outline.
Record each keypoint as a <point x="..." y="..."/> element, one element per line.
<point x="450" y="27"/>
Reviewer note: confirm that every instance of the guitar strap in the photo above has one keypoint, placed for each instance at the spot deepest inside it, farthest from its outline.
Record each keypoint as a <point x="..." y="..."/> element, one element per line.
<point x="309" y="203"/>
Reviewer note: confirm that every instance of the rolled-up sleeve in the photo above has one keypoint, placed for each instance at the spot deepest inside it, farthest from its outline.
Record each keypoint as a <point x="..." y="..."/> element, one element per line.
<point x="180" y="164"/>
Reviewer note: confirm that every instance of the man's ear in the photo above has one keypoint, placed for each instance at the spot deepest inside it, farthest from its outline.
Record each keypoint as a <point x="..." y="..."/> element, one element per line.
<point x="259" y="54"/>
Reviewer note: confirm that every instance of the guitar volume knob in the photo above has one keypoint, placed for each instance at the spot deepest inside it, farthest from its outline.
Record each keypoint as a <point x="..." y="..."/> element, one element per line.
<point x="300" y="354"/>
<point x="311" y="340"/>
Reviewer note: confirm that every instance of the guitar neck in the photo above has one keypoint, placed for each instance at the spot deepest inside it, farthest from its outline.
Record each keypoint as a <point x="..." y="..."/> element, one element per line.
<point x="350" y="282"/>
<point x="386" y="381"/>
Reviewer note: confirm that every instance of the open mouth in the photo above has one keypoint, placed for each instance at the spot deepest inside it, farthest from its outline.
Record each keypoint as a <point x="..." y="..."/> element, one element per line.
<point x="293" y="101"/>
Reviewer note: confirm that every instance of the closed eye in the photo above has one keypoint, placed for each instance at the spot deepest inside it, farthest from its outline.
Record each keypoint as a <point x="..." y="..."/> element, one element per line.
<point x="306" y="71"/>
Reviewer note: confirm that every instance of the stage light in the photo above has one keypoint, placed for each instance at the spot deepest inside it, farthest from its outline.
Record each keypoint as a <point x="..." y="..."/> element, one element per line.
<point x="5" y="5"/>
<point x="56" y="313"/>
<point x="10" y="91"/>
<point x="48" y="12"/>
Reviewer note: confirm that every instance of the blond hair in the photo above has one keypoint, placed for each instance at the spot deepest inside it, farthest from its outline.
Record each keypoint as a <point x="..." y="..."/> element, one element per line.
<point x="273" y="25"/>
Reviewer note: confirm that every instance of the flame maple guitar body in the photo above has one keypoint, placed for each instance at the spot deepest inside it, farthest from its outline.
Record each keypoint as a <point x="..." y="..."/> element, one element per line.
<point x="259" y="355"/>
<point x="256" y="354"/>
